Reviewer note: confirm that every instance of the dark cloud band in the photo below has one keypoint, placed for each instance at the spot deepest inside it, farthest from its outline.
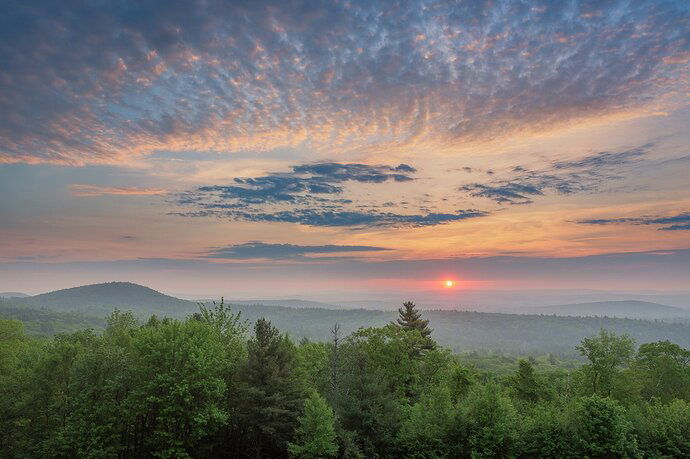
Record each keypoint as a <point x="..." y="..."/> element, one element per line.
<point x="679" y="222"/>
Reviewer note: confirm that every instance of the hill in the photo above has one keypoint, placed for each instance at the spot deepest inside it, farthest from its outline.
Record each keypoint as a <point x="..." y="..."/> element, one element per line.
<point x="629" y="309"/>
<point x="457" y="330"/>
<point x="101" y="299"/>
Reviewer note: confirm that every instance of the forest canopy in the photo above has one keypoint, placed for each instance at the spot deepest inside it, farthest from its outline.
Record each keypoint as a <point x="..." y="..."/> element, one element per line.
<point x="215" y="385"/>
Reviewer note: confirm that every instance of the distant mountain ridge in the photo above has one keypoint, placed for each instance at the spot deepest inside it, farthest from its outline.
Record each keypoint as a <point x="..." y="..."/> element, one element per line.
<point x="458" y="330"/>
<point x="629" y="309"/>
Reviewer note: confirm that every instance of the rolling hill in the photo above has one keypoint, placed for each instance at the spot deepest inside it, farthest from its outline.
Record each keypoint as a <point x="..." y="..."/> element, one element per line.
<point x="629" y="309"/>
<point x="458" y="330"/>
<point x="101" y="299"/>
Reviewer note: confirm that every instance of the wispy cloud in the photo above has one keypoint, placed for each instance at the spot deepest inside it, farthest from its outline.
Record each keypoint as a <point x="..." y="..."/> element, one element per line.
<point x="261" y="250"/>
<point x="678" y="222"/>
<point x="315" y="195"/>
<point x="77" y="189"/>
<point x="586" y="174"/>
<point x="84" y="84"/>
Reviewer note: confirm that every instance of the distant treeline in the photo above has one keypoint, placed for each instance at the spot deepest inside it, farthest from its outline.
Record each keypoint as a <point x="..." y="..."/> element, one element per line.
<point x="214" y="385"/>
<point x="457" y="330"/>
<point x="470" y="330"/>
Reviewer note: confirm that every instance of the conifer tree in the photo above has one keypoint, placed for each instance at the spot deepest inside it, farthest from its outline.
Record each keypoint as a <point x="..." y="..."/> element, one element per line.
<point x="409" y="318"/>
<point x="273" y="395"/>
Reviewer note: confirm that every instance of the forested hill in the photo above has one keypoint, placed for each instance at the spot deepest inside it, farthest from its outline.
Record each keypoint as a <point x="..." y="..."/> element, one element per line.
<point x="629" y="309"/>
<point x="470" y="330"/>
<point x="85" y="307"/>
<point x="101" y="299"/>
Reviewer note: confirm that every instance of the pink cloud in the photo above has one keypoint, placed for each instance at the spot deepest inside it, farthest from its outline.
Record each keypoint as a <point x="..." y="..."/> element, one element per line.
<point x="94" y="190"/>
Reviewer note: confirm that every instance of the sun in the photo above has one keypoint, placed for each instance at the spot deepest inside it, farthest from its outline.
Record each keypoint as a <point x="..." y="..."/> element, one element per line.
<point x="449" y="284"/>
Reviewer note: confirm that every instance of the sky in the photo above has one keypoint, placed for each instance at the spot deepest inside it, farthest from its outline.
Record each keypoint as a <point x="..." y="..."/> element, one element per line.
<point x="260" y="149"/>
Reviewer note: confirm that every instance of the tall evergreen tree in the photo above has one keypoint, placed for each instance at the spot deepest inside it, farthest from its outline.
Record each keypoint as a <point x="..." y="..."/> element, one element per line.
<point x="272" y="395"/>
<point x="409" y="318"/>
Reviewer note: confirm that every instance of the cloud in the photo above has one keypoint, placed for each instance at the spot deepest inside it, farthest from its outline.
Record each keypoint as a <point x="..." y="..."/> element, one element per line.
<point x="684" y="227"/>
<point x="511" y="193"/>
<point x="315" y="195"/>
<point x="584" y="175"/>
<point x="261" y="250"/>
<point x="298" y="186"/>
<point x="102" y="83"/>
<point x="328" y="218"/>
<point x="679" y="222"/>
<point x="77" y="189"/>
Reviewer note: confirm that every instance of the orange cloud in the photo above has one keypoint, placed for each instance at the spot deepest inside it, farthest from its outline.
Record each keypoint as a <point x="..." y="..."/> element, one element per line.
<point x="94" y="190"/>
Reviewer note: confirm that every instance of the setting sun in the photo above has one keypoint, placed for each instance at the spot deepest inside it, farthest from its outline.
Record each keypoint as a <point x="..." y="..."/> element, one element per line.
<point x="449" y="284"/>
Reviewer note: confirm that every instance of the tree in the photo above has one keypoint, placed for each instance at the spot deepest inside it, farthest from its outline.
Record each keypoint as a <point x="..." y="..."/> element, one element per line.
<point x="315" y="436"/>
<point x="665" y="371"/>
<point x="272" y="394"/>
<point x="376" y="374"/>
<point x="662" y="430"/>
<point x="525" y="383"/>
<point x="177" y="387"/>
<point x="99" y="424"/>
<point x="486" y="424"/>
<point x="601" y="429"/>
<point x="335" y="362"/>
<point x="460" y="379"/>
<point x="544" y="433"/>
<point x="410" y="319"/>
<point x="606" y="353"/>
<point x="424" y="433"/>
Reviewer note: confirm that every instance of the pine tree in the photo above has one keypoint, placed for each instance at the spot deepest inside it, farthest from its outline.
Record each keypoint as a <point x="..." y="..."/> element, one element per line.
<point x="411" y="319"/>
<point x="273" y="395"/>
<point x="315" y="436"/>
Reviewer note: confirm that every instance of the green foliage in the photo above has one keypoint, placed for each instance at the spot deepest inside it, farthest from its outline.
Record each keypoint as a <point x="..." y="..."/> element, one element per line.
<point x="40" y="321"/>
<point x="201" y="388"/>
<point x="544" y="433"/>
<point x="424" y="432"/>
<point x="272" y="394"/>
<point x="315" y="436"/>
<point x="663" y="430"/>
<point x="601" y="429"/>
<point x="607" y="353"/>
<point x="525" y="383"/>
<point x="177" y="386"/>
<point x="313" y="360"/>
<point x="410" y="319"/>
<point x="486" y="423"/>
<point x="664" y="371"/>
<point x="459" y="331"/>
